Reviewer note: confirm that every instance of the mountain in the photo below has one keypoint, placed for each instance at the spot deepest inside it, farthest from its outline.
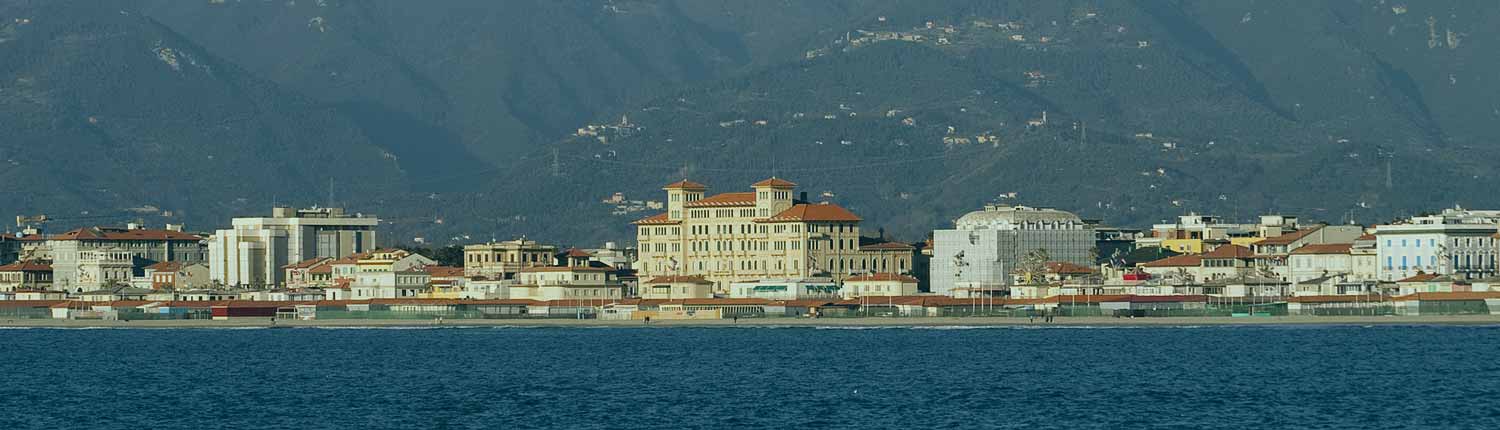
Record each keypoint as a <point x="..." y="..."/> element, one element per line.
<point x="461" y="121"/>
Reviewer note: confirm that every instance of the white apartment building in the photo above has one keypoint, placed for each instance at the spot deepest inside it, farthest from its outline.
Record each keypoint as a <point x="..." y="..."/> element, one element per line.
<point x="253" y="252"/>
<point x="985" y="247"/>
<point x="566" y="283"/>
<point x="1456" y="242"/>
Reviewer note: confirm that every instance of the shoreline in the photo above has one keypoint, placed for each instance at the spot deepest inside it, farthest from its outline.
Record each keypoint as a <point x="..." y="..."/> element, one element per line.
<point x="1470" y="320"/>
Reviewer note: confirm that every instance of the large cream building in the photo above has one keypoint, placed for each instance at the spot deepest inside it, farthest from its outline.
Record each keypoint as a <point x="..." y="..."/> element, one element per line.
<point x="762" y="234"/>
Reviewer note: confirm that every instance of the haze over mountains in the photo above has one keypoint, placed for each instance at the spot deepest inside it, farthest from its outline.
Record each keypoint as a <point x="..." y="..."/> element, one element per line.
<point x="469" y="112"/>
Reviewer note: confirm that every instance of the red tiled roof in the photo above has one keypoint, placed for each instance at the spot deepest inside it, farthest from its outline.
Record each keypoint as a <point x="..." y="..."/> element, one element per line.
<point x="26" y="266"/>
<point x="673" y="279"/>
<point x="166" y="266"/>
<point x="1229" y="251"/>
<point x="887" y="245"/>
<point x="1066" y="268"/>
<point x="818" y="212"/>
<point x="1192" y="260"/>
<point x="1287" y="238"/>
<point x="354" y="258"/>
<point x="774" y="182"/>
<point x="118" y="234"/>
<point x="1453" y="296"/>
<point x="882" y="277"/>
<point x="576" y="253"/>
<point x="1368" y="236"/>
<point x="444" y="271"/>
<point x="685" y="185"/>
<point x="320" y="270"/>
<point x="1336" y="299"/>
<point x="725" y="199"/>
<point x="306" y="263"/>
<point x="1323" y="249"/>
<point x="658" y="219"/>
<point x="1420" y="277"/>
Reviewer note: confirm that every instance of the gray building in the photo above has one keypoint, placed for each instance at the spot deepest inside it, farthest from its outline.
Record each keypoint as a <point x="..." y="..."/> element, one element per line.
<point x="984" y="247"/>
<point x="253" y="252"/>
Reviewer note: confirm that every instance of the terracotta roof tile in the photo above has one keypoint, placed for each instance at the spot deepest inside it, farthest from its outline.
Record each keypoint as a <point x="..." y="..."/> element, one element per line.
<point x="887" y="245"/>
<point x="672" y="279"/>
<point x="774" y="182"/>
<point x="119" y="234"/>
<point x="1176" y="261"/>
<point x="1420" y="277"/>
<point x="725" y="199"/>
<point x="658" y="219"/>
<point x="1229" y="251"/>
<point x="685" y="185"/>
<point x="817" y="212"/>
<point x="26" y="266"/>
<point x="1323" y="249"/>
<point x="444" y="271"/>
<point x="306" y="263"/>
<point x="882" y="277"/>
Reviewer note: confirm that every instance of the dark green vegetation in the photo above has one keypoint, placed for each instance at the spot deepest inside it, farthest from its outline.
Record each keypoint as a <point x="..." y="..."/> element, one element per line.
<point x="456" y="121"/>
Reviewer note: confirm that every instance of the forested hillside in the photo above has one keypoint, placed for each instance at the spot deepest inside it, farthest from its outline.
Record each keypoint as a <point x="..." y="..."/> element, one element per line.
<point x="473" y="119"/>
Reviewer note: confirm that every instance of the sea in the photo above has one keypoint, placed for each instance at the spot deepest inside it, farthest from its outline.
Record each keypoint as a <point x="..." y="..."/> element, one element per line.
<point x="1210" y="377"/>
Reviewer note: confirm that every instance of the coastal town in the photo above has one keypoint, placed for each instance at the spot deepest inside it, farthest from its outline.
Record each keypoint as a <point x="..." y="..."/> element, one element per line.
<point x="762" y="251"/>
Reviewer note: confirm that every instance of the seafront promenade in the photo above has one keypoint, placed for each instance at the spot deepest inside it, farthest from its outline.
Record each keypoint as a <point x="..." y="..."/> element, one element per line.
<point x="781" y="322"/>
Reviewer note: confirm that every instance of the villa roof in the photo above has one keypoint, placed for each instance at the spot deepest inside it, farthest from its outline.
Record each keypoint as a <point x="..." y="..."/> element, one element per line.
<point x="658" y="219"/>
<point x="576" y="253"/>
<point x="1421" y="277"/>
<point x="166" y="266"/>
<point x="26" y="266"/>
<point x="675" y="279"/>
<point x="444" y="271"/>
<point x="882" y="277"/>
<point x="306" y="263"/>
<point x="774" y="182"/>
<point x="1192" y="260"/>
<point x="1323" y="249"/>
<point x="685" y="185"/>
<point x="815" y="212"/>
<point x="725" y="199"/>
<point x="119" y="234"/>
<point x="1229" y="251"/>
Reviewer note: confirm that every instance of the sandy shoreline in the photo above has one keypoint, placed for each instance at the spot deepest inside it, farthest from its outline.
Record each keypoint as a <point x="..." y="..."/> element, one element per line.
<point x="781" y="322"/>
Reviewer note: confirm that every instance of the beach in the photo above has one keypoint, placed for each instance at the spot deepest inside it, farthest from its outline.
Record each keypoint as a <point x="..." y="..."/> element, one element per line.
<point x="776" y="322"/>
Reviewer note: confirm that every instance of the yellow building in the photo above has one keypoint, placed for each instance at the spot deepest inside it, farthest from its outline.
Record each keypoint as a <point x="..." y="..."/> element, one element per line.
<point x="762" y="234"/>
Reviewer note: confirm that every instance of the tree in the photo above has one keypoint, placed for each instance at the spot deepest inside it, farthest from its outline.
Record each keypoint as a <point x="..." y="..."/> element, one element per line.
<point x="1033" y="266"/>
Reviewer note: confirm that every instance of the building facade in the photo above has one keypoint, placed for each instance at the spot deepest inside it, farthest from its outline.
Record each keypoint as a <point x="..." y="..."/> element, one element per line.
<point x="255" y="250"/>
<point x="985" y="247"/>
<point x="88" y="258"/>
<point x="762" y="234"/>
<point x="504" y="259"/>
<point x="1455" y="242"/>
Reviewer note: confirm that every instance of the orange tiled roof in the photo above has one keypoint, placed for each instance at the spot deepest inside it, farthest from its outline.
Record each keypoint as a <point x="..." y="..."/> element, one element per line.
<point x="1176" y="261"/>
<point x="306" y="263"/>
<point x="725" y="199"/>
<point x="774" y="182"/>
<point x="882" y="277"/>
<point x="1368" y="236"/>
<point x="818" y="212"/>
<point x="1323" y="249"/>
<point x="672" y="279"/>
<point x="26" y="266"/>
<point x="1229" y="251"/>
<point x="545" y="269"/>
<point x="118" y="234"/>
<point x="444" y="271"/>
<point x="685" y="185"/>
<point x="1420" y="277"/>
<point x="576" y="253"/>
<point x="658" y="219"/>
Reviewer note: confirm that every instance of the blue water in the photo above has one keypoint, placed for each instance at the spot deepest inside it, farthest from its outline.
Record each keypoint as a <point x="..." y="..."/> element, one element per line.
<point x="572" y="378"/>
